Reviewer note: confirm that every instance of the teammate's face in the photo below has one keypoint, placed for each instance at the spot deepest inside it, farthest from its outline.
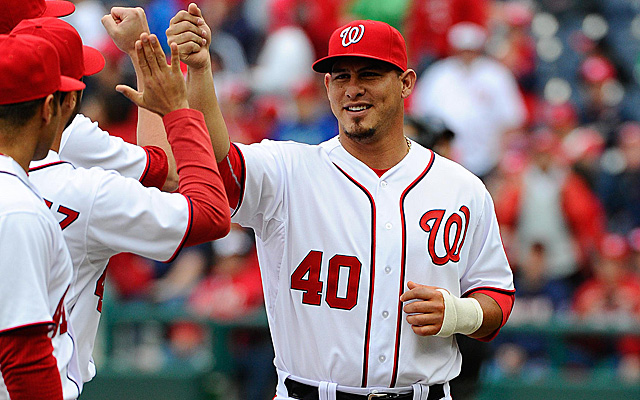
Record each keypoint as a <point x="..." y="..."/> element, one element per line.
<point x="366" y="96"/>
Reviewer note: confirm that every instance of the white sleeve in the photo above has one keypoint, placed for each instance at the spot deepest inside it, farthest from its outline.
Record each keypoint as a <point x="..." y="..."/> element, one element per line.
<point x="25" y="246"/>
<point x="261" y="205"/>
<point x="128" y="217"/>
<point x="488" y="266"/>
<point x="85" y="145"/>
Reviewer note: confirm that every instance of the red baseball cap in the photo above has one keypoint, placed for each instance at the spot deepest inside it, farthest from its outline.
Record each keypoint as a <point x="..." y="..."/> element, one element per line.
<point x="76" y="60"/>
<point x="14" y="11"/>
<point x="365" y="38"/>
<point x="30" y="70"/>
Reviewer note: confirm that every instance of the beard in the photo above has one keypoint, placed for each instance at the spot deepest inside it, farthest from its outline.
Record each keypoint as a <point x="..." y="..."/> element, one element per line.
<point x="359" y="133"/>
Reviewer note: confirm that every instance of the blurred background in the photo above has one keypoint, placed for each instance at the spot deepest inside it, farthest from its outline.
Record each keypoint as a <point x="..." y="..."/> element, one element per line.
<point x="538" y="98"/>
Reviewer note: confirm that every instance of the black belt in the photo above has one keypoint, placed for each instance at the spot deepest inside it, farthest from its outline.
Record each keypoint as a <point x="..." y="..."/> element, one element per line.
<point x="303" y="391"/>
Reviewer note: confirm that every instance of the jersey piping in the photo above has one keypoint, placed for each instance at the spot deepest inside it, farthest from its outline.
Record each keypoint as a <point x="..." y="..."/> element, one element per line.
<point x="403" y="264"/>
<point x="243" y="175"/>
<point x="39" y="167"/>
<point x="365" y="362"/>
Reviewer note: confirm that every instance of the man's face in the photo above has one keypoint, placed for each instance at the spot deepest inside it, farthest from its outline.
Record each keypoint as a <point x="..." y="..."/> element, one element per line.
<point x="366" y="96"/>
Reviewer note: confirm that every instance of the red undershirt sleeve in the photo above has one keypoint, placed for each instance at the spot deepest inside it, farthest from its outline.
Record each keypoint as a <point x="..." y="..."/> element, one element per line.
<point x="200" y="181"/>
<point x="232" y="175"/>
<point x="155" y="174"/>
<point x="27" y="364"/>
<point x="505" y="301"/>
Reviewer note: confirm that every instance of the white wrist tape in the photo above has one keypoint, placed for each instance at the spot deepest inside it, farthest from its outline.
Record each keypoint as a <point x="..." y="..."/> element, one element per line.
<point x="460" y="315"/>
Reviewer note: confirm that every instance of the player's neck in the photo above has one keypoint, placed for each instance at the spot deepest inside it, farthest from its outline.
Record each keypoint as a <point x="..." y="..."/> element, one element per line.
<point x="378" y="154"/>
<point x="18" y="145"/>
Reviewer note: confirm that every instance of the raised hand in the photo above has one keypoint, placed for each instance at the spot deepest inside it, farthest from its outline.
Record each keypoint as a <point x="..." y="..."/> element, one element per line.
<point x="191" y="33"/>
<point x="164" y="87"/>
<point x="125" y="25"/>
<point x="426" y="311"/>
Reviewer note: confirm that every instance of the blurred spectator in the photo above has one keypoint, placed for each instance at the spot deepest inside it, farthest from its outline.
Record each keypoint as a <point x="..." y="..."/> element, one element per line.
<point x="476" y="96"/>
<point x="428" y="22"/>
<point x="552" y="206"/>
<point x="583" y="148"/>
<point x="431" y="133"/>
<point x="232" y="291"/>
<point x="311" y="120"/>
<point x="86" y="19"/>
<point x="285" y="59"/>
<point x="516" y="48"/>
<point x="619" y="186"/>
<point x="610" y="298"/>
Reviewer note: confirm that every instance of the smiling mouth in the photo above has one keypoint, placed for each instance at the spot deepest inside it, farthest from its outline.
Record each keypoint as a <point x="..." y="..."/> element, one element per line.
<point x="357" y="108"/>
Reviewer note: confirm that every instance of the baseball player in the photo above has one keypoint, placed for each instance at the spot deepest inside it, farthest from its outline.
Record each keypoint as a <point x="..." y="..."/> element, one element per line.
<point x="103" y="213"/>
<point x="374" y="251"/>
<point x="83" y="142"/>
<point x="36" y="348"/>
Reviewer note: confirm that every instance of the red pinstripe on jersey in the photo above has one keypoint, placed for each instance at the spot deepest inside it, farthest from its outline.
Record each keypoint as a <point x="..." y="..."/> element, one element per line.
<point x="394" y="375"/>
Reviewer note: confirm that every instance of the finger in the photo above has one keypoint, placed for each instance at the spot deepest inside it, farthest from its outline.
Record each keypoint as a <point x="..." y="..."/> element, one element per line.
<point x="187" y="28"/>
<point x="160" y="57"/>
<point x="194" y="10"/>
<point x="428" y="330"/>
<point x="145" y="69"/>
<point x="175" y="59"/>
<point x="423" y="307"/>
<point x="118" y="13"/>
<point x="186" y="16"/>
<point x="131" y="94"/>
<point x="148" y="54"/>
<point x="185" y="37"/>
<point x="424" y="320"/>
<point x="108" y="22"/>
<point x="187" y="49"/>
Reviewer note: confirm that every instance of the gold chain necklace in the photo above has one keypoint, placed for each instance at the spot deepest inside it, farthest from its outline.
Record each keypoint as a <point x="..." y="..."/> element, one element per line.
<point x="406" y="139"/>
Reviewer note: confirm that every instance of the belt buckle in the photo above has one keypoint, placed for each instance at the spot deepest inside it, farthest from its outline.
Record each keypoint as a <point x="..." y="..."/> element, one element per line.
<point x="375" y="395"/>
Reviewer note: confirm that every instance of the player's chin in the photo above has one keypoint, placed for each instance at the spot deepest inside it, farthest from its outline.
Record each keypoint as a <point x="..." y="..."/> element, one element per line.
<point x="359" y="133"/>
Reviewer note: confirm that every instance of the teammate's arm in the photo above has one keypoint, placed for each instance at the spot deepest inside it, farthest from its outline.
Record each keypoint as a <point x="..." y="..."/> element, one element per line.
<point x="125" y="25"/>
<point x="190" y="32"/>
<point x="28" y="367"/>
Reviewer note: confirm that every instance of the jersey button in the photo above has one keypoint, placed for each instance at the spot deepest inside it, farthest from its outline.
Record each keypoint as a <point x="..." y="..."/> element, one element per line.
<point x="383" y="184"/>
<point x="388" y="225"/>
<point x="385" y="314"/>
<point x="382" y="359"/>
<point x="387" y="269"/>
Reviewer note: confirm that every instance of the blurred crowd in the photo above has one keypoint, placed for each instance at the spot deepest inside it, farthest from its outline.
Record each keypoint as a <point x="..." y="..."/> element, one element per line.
<point x="540" y="99"/>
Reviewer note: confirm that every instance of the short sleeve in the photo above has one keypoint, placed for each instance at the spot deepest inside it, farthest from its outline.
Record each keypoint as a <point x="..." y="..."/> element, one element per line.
<point x="85" y="145"/>
<point x="25" y="245"/>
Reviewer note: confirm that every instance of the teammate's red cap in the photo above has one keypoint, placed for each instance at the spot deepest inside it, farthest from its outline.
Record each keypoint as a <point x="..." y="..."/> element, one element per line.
<point x="365" y="38"/>
<point x="30" y="70"/>
<point x="76" y="60"/>
<point x="14" y="11"/>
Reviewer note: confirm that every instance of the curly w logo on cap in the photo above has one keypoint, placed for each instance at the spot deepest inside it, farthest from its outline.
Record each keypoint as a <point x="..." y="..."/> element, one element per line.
<point x="381" y="42"/>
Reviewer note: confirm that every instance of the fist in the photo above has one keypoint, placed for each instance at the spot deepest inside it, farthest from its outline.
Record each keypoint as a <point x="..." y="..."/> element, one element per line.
<point x="125" y="25"/>
<point x="190" y="32"/>
<point x="424" y="306"/>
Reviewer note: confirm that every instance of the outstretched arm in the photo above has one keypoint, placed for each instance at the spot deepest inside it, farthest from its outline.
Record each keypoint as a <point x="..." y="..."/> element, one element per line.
<point x="192" y="35"/>
<point x="165" y="94"/>
<point x="125" y="25"/>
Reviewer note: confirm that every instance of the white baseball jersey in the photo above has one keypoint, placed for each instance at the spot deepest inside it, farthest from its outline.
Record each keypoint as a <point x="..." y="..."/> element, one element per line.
<point x="337" y="246"/>
<point x="102" y="213"/>
<point x="35" y="270"/>
<point x="85" y="145"/>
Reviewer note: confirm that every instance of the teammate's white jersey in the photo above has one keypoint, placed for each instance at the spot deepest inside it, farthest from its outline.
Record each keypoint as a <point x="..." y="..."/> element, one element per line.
<point x="85" y="145"/>
<point x="337" y="246"/>
<point x="101" y="214"/>
<point x="35" y="270"/>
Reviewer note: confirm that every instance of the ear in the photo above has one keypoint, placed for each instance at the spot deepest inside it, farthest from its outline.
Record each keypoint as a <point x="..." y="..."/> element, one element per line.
<point x="48" y="110"/>
<point x="327" y="78"/>
<point x="408" y="79"/>
<point x="70" y="100"/>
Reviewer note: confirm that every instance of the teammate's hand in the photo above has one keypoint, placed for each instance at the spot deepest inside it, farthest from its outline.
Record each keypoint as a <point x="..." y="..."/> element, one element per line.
<point x="191" y="33"/>
<point x="164" y="86"/>
<point x="125" y="25"/>
<point x="426" y="312"/>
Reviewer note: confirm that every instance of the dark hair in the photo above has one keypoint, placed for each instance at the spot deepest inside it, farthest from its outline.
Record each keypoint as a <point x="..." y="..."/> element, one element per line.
<point x="18" y="114"/>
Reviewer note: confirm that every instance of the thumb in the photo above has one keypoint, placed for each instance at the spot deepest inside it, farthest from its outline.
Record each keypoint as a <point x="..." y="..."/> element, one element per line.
<point x="412" y="285"/>
<point x="194" y="10"/>
<point x="131" y="94"/>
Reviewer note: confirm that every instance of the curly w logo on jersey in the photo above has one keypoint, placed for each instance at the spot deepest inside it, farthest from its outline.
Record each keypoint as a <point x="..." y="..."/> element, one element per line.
<point x="452" y="247"/>
<point x="352" y="34"/>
